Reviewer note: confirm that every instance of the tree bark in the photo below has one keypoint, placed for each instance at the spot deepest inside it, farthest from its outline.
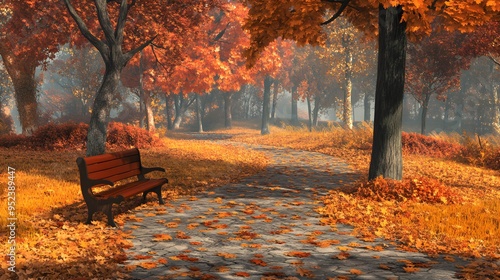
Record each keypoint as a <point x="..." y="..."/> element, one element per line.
<point x="386" y="157"/>
<point x="295" y="115"/>
<point x="367" y="108"/>
<point x="96" y="136"/>
<point x="309" y="114"/>
<point x="228" y="117"/>
<point x="22" y="73"/>
<point x="315" y="112"/>
<point x="265" y="106"/>
<point x="425" y="108"/>
<point x="347" y="114"/>
<point x="275" y="99"/>
<point x="150" y="118"/>
<point x="198" y="114"/>
<point x="168" y="111"/>
<point x="178" y="104"/>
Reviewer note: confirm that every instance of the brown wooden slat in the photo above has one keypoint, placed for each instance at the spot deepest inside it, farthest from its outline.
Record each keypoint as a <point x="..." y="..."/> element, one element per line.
<point x="112" y="163"/>
<point x="117" y="171"/>
<point x="118" y="177"/>
<point x="110" y="156"/>
<point x="131" y="189"/>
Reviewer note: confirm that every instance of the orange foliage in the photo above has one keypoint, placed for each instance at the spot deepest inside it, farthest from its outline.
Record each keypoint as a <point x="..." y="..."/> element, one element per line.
<point x="424" y="190"/>
<point x="72" y="136"/>
<point x="414" y="143"/>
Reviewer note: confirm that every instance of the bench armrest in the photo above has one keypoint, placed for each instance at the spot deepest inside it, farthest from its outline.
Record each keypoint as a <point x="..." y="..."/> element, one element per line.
<point x="146" y="170"/>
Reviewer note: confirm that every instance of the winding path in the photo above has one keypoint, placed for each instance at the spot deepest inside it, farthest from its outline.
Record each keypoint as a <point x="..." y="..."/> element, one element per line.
<point x="265" y="227"/>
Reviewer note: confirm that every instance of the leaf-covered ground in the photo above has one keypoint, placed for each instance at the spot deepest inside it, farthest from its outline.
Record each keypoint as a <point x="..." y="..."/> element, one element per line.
<point x="52" y="241"/>
<point x="453" y="206"/>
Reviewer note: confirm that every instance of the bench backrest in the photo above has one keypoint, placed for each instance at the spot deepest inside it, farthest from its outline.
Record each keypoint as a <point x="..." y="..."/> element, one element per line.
<point x="114" y="166"/>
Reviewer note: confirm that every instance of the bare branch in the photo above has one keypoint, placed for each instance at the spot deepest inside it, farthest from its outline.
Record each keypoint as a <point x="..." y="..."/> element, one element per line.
<point x="344" y="5"/>
<point x="131" y="53"/>
<point x="100" y="46"/>
<point x="493" y="59"/>
<point x="104" y="21"/>
<point x="122" y="18"/>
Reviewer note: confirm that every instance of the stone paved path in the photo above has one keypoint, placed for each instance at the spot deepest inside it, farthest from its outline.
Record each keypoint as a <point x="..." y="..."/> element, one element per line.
<point x="265" y="227"/>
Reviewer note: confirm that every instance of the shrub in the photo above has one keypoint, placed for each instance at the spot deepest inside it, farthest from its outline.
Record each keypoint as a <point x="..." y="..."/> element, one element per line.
<point x="480" y="153"/>
<point x="72" y="136"/>
<point x="125" y="136"/>
<point x="414" y="143"/>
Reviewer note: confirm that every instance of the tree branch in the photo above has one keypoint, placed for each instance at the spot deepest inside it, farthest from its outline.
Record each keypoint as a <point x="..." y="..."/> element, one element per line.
<point x="100" y="46"/>
<point x="493" y="59"/>
<point x="131" y="53"/>
<point x="344" y="5"/>
<point x="104" y="21"/>
<point x="122" y="18"/>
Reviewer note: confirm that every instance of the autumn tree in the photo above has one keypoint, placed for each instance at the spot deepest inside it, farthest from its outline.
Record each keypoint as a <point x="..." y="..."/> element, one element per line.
<point x="397" y="20"/>
<point x="434" y="66"/>
<point x="31" y="32"/>
<point x="119" y="42"/>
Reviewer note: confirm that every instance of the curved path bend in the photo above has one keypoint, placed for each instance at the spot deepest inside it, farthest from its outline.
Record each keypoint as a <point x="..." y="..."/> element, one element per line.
<point x="265" y="227"/>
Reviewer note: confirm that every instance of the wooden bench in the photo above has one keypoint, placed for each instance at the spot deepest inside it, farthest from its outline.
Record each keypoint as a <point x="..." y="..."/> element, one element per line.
<point x="108" y="169"/>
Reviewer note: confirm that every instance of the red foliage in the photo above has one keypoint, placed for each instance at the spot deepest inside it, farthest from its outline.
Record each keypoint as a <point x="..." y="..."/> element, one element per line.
<point x="419" y="190"/>
<point x="414" y="143"/>
<point x="72" y="136"/>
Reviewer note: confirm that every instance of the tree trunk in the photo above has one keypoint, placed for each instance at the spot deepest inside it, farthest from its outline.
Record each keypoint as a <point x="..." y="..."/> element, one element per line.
<point x="198" y="114"/>
<point x="496" y="109"/>
<point x="347" y="114"/>
<point x="425" y="107"/>
<point x="275" y="99"/>
<point x="315" y="112"/>
<point x="96" y="136"/>
<point x="168" y="111"/>
<point x="22" y="74"/>
<point x="228" y="117"/>
<point x="295" y="113"/>
<point x="265" y="106"/>
<point x="309" y="114"/>
<point x="386" y="157"/>
<point x="367" y="108"/>
<point x="179" y="103"/>
<point x="150" y="118"/>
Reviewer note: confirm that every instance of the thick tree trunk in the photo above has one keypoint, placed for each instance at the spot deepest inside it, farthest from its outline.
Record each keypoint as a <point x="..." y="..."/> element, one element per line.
<point x="98" y="126"/>
<point x="367" y="108"/>
<point x="265" y="106"/>
<point x="228" y="117"/>
<point x="275" y="99"/>
<point x="425" y="107"/>
<point x="295" y="113"/>
<point x="386" y="157"/>
<point x="22" y="74"/>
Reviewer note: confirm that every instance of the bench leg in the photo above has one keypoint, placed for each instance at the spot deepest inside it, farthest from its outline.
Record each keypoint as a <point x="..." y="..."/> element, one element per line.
<point x="156" y="190"/>
<point x="91" y="209"/>
<point x="107" y="210"/>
